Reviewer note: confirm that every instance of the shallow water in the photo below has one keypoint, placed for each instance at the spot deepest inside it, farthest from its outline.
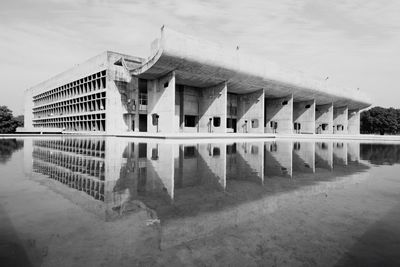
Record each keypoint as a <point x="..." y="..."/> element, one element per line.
<point x="68" y="201"/>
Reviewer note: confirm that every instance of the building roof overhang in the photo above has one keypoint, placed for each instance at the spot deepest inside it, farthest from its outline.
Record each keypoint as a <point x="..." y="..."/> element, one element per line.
<point x="202" y="64"/>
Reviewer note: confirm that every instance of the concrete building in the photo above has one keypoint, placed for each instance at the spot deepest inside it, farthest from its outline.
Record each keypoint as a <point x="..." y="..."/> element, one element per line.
<point x="188" y="85"/>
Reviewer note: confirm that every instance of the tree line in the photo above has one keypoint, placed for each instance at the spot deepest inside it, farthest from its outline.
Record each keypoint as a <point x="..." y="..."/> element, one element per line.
<point x="9" y="123"/>
<point x="380" y="120"/>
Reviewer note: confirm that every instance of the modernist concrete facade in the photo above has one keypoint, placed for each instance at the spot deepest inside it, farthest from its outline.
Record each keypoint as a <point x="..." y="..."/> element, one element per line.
<point x="188" y="85"/>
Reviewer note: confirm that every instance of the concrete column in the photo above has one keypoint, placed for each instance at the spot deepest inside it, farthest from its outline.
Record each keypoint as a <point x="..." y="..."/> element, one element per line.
<point x="304" y="115"/>
<point x="324" y="116"/>
<point x="278" y="159"/>
<point x="279" y="110"/>
<point x="340" y="120"/>
<point x="324" y="155"/>
<point x="339" y="153"/>
<point x="304" y="157"/>
<point x="353" y="122"/>
<point x="161" y="101"/>
<point x="160" y="168"/>
<point x="212" y="107"/>
<point x="251" y="112"/>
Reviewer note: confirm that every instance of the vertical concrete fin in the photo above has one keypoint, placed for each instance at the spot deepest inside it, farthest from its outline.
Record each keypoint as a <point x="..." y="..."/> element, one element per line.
<point x="340" y="120"/>
<point x="353" y="122"/>
<point x="304" y="116"/>
<point x="279" y="115"/>
<point x="161" y="102"/>
<point x="212" y="109"/>
<point x="251" y="112"/>
<point x="324" y="119"/>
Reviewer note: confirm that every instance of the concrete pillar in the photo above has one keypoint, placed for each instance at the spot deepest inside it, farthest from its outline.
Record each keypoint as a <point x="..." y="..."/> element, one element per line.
<point x="251" y="112"/>
<point x="324" y="155"/>
<point x="161" y="101"/>
<point x="304" y="157"/>
<point x="279" y="110"/>
<point x="212" y="109"/>
<point x="247" y="163"/>
<point x="353" y="122"/>
<point x="160" y="168"/>
<point x="304" y="115"/>
<point x="324" y="119"/>
<point x="340" y="120"/>
<point x="339" y="153"/>
<point x="278" y="159"/>
<point x="212" y="162"/>
<point x="353" y="152"/>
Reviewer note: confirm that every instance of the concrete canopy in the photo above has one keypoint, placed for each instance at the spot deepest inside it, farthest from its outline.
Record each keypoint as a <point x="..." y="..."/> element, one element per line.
<point x="202" y="64"/>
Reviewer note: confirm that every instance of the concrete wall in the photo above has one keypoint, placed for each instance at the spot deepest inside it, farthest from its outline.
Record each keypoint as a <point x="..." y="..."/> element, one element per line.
<point x="324" y="114"/>
<point x="283" y="114"/>
<point x="161" y="100"/>
<point x="305" y="116"/>
<point x="213" y="104"/>
<point x="339" y="153"/>
<point x="304" y="157"/>
<point x="251" y="109"/>
<point x="278" y="159"/>
<point x="353" y="122"/>
<point x="340" y="117"/>
<point x="160" y="165"/>
<point x="324" y="155"/>
<point x="122" y="93"/>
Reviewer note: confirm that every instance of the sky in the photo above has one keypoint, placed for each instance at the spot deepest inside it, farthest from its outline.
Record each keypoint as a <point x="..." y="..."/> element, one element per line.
<point x="356" y="43"/>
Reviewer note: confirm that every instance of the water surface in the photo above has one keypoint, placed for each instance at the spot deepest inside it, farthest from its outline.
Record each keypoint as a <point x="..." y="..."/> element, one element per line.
<point x="120" y="202"/>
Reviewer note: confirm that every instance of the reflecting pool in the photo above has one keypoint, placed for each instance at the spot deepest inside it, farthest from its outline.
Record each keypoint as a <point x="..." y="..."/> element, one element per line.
<point x="72" y="201"/>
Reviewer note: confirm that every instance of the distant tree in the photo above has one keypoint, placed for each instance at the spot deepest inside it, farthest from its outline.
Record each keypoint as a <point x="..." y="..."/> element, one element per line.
<point x="20" y="120"/>
<point x="380" y="120"/>
<point x="8" y="123"/>
<point x="8" y="147"/>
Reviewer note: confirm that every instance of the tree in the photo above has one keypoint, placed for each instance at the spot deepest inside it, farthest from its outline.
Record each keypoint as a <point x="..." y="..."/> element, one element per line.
<point x="8" y="124"/>
<point x="380" y="120"/>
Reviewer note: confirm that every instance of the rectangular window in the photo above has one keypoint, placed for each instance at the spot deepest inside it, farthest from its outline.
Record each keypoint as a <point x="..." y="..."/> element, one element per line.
<point x="189" y="152"/>
<point x="217" y="121"/>
<point x="190" y="121"/>
<point x="254" y="123"/>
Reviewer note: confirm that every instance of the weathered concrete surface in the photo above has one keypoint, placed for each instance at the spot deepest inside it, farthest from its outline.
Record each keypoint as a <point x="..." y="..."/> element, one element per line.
<point x="278" y="159"/>
<point x="324" y="115"/>
<point x="353" y="122"/>
<point x="277" y="111"/>
<point x="251" y="112"/>
<point x="212" y="105"/>
<point x="304" y="156"/>
<point x="340" y="119"/>
<point x="161" y="101"/>
<point x="201" y="63"/>
<point x="324" y="155"/>
<point x="304" y="113"/>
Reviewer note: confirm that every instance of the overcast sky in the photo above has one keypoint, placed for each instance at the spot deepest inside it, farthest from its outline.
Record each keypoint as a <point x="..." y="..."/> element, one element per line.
<point x="354" y="42"/>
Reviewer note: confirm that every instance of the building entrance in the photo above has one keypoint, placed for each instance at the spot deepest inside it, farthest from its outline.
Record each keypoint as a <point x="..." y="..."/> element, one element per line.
<point x="142" y="123"/>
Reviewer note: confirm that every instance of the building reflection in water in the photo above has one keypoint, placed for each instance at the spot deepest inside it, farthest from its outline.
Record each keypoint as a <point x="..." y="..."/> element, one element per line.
<point x="179" y="179"/>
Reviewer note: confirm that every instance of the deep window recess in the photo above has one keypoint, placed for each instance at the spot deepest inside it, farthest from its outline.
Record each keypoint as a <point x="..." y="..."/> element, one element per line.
<point x="284" y="102"/>
<point x="216" y="152"/>
<point x="231" y="149"/>
<point x="254" y="123"/>
<point x="324" y="126"/>
<point x="307" y="106"/>
<point x="217" y="121"/>
<point x="166" y="85"/>
<point x="189" y="152"/>
<point x="154" y="153"/>
<point x="190" y="121"/>
<point x="142" y="150"/>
